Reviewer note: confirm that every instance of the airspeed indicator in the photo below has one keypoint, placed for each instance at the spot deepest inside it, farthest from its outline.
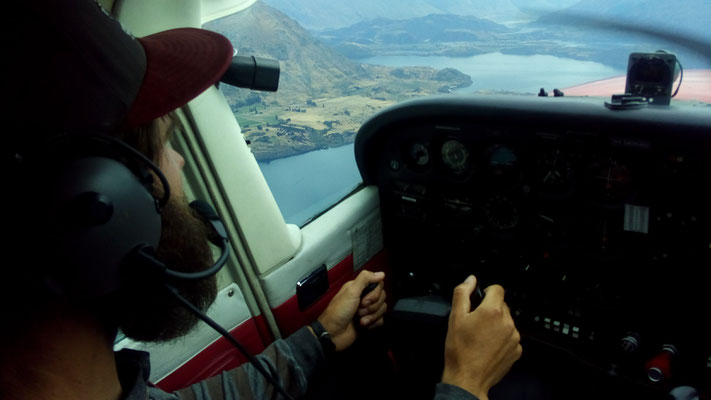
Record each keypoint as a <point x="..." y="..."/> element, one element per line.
<point x="455" y="156"/>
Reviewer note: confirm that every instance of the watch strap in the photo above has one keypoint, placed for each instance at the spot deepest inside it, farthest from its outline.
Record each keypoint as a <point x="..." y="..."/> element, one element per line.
<point x="324" y="338"/>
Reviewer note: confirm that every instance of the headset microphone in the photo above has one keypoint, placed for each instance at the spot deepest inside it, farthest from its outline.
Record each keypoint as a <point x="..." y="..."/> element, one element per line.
<point x="218" y="236"/>
<point x="144" y="255"/>
<point x="208" y="214"/>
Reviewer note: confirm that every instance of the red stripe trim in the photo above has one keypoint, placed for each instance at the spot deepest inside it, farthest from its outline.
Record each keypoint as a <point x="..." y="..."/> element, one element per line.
<point x="263" y="328"/>
<point x="217" y="357"/>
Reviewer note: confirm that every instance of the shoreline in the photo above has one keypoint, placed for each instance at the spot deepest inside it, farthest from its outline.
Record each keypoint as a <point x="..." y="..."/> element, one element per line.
<point x="283" y="155"/>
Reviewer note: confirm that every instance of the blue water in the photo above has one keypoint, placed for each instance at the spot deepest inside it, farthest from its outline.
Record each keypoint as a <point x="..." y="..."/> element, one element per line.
<point x="307" y="184"/>
<point x="522" y="74"/>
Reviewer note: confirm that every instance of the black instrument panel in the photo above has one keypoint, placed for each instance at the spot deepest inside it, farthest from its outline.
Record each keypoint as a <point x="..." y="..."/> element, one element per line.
<point x="596" y="222"/>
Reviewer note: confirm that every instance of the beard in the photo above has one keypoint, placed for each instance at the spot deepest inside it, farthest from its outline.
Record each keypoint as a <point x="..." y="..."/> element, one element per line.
<point x="146" y="311"/>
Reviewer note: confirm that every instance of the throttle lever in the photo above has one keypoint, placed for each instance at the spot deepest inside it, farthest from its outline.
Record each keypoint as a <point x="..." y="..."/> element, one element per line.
<point x="356" y="317"/>
<point x="368" y="289"/>
<point x="477" y="296"/>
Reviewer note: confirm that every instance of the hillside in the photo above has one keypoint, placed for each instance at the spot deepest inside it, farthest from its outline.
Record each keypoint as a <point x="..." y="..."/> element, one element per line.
<point x="323" y="97"/>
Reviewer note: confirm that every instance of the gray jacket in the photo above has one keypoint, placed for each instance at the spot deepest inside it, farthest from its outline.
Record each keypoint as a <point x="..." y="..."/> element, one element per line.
<point x="296" y="359"/>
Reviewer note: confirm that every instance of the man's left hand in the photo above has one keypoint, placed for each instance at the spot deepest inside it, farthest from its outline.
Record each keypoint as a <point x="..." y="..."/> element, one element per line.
<point x="338" y="317"/>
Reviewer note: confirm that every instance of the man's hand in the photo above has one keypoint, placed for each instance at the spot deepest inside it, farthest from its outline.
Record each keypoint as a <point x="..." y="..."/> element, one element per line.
<point x="337" y="318"/>
<point x="482" y="344"/>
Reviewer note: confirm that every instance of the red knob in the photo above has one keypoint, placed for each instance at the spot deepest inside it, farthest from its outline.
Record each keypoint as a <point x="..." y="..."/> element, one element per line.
<point x="659" y="367"/>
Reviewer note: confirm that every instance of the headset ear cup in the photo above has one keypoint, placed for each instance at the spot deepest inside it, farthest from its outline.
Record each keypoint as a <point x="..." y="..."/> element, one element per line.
<point x="100" y="211"/>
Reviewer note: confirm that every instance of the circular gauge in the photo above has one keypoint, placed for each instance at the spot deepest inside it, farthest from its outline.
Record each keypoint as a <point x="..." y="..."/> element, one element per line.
<point x="501" y="213"/>
<point x="502" y="157"/>
<point x="555" y="173"/>
<point x="455" y="156"/>
<point x="502" y="163"/>
<point x="611" y="180"/>
<point x="419" y="154"/>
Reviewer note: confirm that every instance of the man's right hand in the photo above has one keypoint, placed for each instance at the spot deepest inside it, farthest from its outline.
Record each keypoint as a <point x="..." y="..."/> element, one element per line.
<point x="482" y="344"/>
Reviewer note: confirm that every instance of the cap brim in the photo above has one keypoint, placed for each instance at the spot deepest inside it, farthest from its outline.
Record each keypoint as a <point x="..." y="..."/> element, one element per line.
<point x="180" y="64"/>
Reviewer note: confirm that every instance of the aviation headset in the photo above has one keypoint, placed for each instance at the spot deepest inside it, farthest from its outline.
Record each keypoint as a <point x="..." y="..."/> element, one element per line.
<point x="95" y="194"/>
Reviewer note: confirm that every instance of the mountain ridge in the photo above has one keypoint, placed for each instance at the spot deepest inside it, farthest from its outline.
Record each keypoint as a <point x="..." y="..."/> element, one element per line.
<point x="434" y="34"/>
<point x="320" y="15"/>
<point x="433" y="27"/>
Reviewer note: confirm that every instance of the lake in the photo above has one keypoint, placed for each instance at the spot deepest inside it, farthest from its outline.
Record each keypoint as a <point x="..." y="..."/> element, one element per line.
<point x="496" y="71"/>
<point x="306" y="184"/>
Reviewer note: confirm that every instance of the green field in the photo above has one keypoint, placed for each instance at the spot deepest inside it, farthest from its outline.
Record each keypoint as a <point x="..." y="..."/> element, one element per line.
<point x="265" y="115"/>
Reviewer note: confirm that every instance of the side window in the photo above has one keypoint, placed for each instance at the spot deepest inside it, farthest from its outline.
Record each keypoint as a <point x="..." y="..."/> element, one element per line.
<point x="302" y="136"/>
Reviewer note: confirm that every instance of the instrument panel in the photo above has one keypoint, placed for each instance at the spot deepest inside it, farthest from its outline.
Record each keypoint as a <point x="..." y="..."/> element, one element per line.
<point x="596" y="222"/>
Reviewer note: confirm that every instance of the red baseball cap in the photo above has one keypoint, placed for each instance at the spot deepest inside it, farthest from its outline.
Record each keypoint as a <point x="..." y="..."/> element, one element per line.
<point x="180" y="64"/>
<point x="74" y="67"/>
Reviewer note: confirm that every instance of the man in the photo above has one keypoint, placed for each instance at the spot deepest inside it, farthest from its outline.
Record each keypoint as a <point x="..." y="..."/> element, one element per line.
<point x="74" y="74"/>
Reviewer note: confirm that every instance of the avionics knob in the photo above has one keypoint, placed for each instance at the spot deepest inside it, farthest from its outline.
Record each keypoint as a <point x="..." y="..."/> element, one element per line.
<point x="626" y="355"/>
<point x="630" y="343"/>
<point x="659" y="367"/>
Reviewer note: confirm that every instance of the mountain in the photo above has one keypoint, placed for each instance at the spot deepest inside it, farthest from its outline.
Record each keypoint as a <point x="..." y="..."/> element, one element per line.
<point x="432" y="28"/>
<point x="330" y="14"/>
<point x="308" y="66"/>
<point x="435" y="34"/>
<point x="542" y="7"/>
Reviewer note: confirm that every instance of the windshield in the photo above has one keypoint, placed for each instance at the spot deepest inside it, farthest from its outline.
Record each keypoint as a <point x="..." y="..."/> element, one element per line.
<point x="341" y="62"/>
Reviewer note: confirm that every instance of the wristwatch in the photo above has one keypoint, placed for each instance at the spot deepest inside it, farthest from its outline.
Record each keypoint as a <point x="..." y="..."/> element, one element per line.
<point x="329" y="348"/>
